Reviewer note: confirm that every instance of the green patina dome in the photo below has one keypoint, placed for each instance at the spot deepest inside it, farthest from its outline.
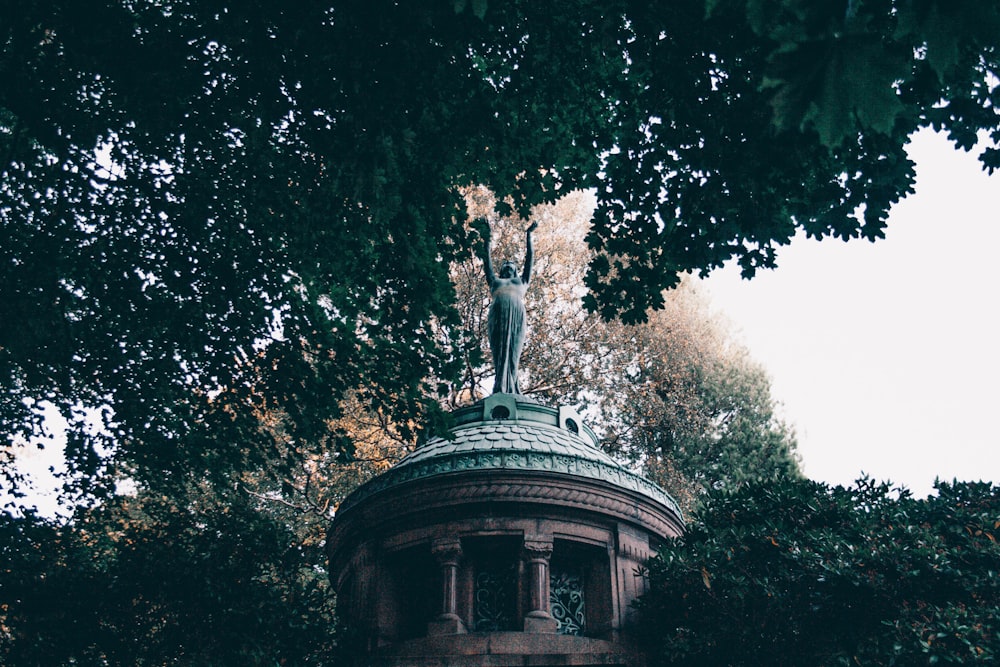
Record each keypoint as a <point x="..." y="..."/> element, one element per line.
<point x="507" y="432"/>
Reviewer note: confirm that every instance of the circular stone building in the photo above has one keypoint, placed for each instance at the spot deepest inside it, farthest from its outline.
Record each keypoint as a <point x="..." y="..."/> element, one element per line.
<point x="513" y="541"/>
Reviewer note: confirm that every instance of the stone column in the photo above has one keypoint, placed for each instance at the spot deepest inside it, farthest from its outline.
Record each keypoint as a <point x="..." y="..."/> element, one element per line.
<point x="447" y="552"/>
<point x="539" y="619"/>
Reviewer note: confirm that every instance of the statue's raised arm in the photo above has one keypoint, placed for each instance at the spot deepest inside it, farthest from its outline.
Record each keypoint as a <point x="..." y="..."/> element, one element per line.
<point x="484" y="230"/>
<point x="506" y="323"/>
<point x="529" y="255"/>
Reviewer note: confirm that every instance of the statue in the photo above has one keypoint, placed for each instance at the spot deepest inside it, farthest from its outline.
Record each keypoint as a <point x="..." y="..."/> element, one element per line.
<point x="506" y="326"/>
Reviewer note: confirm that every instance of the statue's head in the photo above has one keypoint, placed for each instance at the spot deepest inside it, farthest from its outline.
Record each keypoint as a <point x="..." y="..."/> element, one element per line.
<point x="508" y="269"/>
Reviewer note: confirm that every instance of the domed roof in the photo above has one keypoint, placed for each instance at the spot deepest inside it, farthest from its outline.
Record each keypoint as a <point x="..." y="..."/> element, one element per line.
<point x="508" y="432"/>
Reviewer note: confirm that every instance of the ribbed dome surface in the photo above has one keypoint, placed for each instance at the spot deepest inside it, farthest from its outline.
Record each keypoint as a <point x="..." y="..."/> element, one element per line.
<point x="508" y="433"/>
<point x="505" y="436"/>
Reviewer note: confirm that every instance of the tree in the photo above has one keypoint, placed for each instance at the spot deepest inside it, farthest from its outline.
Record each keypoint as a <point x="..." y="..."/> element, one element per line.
<point x="799" y="573"/>
<point x="701" y="420"/>
<point x="194" y="190"/>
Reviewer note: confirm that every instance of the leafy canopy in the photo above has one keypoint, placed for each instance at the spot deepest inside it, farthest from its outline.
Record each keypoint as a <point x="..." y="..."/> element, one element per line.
<point x="213" y="209"/>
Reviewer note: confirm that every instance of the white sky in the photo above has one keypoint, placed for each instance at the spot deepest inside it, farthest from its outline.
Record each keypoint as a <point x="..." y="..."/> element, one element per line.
<point x="886" y="355"/>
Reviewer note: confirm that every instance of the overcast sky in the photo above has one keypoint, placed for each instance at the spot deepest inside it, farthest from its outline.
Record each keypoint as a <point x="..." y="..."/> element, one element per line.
<point x="886" y="355"/>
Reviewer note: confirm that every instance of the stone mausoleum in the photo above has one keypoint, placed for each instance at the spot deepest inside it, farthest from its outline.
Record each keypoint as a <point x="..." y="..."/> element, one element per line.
<point x="513" y="541"/>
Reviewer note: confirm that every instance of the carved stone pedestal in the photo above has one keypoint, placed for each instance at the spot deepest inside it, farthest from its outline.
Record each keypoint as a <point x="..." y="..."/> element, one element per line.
<point x="446" y="625"/>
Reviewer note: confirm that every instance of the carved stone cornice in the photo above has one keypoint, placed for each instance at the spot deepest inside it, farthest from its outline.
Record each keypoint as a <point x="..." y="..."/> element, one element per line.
<point x="434" y="500"/>
<point x="512" y="459"/>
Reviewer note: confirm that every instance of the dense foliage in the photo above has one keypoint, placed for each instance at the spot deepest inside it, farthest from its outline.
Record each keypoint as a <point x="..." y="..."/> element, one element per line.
<point x="147" y="581"/>
<point x="798" y="573"/>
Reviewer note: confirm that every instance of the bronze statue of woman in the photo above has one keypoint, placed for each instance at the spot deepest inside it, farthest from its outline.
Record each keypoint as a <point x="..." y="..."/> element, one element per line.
<point x="506" y="325"/>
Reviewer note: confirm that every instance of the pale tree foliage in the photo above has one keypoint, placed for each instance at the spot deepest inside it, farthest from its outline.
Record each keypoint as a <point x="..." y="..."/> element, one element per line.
<point x="694" y="409"/>
<point x="676" y="395"/>
<point x="370" y="443"/>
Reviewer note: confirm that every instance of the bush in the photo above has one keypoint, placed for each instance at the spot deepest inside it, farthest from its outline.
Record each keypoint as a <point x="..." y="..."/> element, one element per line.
<point x="799" y="573"/>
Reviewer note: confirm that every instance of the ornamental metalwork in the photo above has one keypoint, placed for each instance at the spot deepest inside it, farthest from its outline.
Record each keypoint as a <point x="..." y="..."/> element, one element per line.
<point x="495" y="598"/>
<point x="567" y="600"/>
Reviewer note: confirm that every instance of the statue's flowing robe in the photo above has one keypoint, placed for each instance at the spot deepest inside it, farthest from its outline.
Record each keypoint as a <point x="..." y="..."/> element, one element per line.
<point x="506" y="330"/>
